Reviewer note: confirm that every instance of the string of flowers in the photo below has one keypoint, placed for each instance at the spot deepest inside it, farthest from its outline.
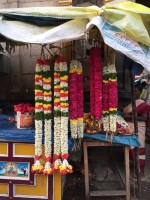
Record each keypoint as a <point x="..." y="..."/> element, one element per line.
<point x="92" y="85"/>
<point x="110" y="99"/>
<point x="73" y="98"/>
<point x="80" y="101"/>
<point x="76" y="101"/>
<point x="47" y="105"/>
<point x="96" y="82"/>
<point x="73" y="106"/>
<point x="57" y="117"/>
<point x="65" y="167"/>
<point x="37" y="166"/>
<point x="105" y="101"/>
<point x="113" y="97"/>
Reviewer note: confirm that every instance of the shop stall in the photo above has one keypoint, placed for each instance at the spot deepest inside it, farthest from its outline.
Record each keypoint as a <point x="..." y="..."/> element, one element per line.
<point x="34" y="159"/>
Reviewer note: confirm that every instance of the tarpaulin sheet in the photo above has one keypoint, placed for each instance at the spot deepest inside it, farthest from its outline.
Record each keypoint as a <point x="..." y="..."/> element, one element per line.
<point x="133" y="19"/>
<point x="117" y="39"/>
<point x="55" y="12"/>
<point x="28" y="33"/>
<point x="124" y="26"/>
<point x="131" y="140"/>
<point x="9" y="132"/>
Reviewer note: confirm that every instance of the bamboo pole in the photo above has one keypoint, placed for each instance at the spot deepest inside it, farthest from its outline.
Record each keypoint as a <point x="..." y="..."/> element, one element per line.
<point x="134" y="113"/>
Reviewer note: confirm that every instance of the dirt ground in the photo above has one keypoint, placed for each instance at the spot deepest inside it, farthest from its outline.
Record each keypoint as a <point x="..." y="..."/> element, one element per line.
<point x="103" y="175"/>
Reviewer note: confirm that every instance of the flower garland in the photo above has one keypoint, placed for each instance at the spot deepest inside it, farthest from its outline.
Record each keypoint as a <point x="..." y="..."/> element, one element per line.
<point x="80" y="100"/>
<point x="113" y="97"/>
<point x="73" y="106"/>
<point x="92" y="85"/>
<point x="64" y="108"/>
<point x="47" y="105"/>
<point x="57" y="117"/>
<point x="110" y="99"/>
<point x="96" y="83"/>
<point x="105" y="101"/>
<point x="24" y="107"/>
<point x="76" y="100"/>
<point x="122" y="125"/>
<point x="43" y="110"/>
<point x="38" y="167"/>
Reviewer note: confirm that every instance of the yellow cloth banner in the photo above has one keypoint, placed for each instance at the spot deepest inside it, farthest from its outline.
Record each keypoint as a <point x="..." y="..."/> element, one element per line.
<point x="132" y="18"/>
<point x="55" y="12"/>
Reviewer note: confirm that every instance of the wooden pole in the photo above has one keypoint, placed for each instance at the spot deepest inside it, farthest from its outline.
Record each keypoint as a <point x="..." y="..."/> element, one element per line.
<point x="134" y="112"/>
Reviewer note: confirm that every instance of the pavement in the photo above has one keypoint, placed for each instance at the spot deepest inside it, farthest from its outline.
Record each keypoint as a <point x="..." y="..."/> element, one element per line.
<point x="103" y="175"/>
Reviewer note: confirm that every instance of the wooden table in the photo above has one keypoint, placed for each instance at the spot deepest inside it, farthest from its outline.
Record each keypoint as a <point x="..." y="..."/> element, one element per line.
<point x="88" y="193"/>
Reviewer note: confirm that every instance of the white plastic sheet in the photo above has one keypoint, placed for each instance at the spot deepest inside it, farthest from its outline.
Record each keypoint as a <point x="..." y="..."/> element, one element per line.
<point x="32" y="34"/>
<point x="116" y="38"/>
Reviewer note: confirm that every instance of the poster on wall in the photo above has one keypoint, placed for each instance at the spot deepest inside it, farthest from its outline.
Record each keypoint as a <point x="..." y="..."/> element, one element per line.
<point x="14" y="170"/>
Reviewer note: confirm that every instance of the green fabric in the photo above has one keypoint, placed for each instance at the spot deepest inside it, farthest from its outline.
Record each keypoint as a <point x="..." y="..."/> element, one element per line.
<point x="39" y="21"/>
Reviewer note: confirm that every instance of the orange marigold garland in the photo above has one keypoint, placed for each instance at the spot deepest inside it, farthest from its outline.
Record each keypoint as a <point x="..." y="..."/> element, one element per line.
<point x="37" y="166"/>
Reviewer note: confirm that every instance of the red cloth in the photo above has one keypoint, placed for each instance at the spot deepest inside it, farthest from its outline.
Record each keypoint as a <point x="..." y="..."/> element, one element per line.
<point x="142" y="157"/>
<point x="143" y="109"/>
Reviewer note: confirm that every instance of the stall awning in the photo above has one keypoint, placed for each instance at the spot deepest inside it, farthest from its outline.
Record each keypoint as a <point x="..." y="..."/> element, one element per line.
<point x="124" y="26"/>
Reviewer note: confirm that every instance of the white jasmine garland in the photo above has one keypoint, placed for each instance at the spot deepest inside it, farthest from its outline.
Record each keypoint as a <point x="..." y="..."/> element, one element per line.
<point x="38" y="137"/>
<point x="64" y="135"/>
<point x="57" y="117"/>
<point x="48" y="142"/>
<point x="57" y="135"/>
<point x="37" y="166"/>
<point x="106" y="123"/>
<point x="80" y="129"/>
<point x="74" y="130"/>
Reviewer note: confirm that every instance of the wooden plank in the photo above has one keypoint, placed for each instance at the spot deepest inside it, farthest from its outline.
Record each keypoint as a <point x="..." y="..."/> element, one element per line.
<point x="101" y="144"/>
<point x="88" y="193"/>
<point x="86" y="170"/>
<point x="127" y="170"/>
<point x="108" y="193"/>
<point x="65" y="2"/>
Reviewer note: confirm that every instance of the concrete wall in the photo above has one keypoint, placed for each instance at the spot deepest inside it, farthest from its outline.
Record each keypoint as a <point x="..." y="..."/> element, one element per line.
<point x="96" y="2"/>
<point x="18" y="84"/>
<point x="27" y="3"/>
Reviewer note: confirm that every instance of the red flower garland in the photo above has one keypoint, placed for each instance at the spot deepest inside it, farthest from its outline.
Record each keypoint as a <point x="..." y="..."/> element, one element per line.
<point x="96" y="82"/>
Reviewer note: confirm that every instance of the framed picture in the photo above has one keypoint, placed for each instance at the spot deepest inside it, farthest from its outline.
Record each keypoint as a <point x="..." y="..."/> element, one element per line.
<point x="14" y="170"/>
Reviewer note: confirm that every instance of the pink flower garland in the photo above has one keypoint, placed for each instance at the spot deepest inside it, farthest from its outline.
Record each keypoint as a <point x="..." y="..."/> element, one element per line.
<point x="105" y="101"/>
<point x="73" y="106"/>
<point x="76" y="99"/>
<point x="110" y="99"/>
<point x="80" y="100"/>
<point x="96" y="82"/>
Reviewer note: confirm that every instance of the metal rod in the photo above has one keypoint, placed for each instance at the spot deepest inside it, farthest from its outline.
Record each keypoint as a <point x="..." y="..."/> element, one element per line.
<point x="134" y="113"/>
